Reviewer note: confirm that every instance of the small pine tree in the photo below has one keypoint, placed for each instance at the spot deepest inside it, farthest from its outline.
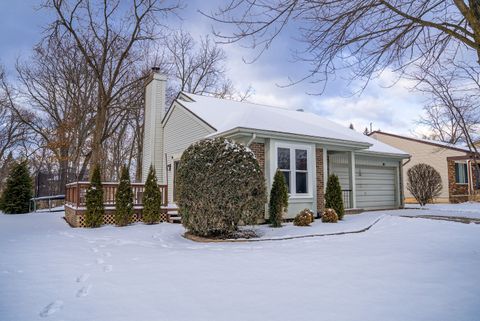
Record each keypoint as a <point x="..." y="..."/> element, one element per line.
<point x="124" y="200"/>
<point x="333" y="196"/>
<point x="152" y="199"/>
<point x="94" y="199"/>
<point x="278" y="199"/>
<point x="18" y="191"/>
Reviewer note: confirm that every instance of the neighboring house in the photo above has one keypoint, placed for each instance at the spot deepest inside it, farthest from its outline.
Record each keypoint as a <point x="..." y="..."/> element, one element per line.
<point x="460" y="179"/>
<point x="304" y="146"/>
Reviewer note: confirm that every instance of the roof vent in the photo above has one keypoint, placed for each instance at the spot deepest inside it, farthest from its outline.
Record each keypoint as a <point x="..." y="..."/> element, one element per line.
<point x="300" y="109"/>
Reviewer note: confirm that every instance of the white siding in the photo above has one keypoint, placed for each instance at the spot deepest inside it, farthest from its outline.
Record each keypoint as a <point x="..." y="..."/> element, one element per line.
<point x="181" y="129"/>
<point x="153" y="132"/>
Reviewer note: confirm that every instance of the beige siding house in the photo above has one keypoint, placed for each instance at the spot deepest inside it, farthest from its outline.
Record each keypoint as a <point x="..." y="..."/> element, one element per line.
<point x="452" y="162"/>
<point x="304" y="146"/>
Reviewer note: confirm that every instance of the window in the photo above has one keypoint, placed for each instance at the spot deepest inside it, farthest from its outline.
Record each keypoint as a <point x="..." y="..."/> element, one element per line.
<point x="293" y="163"/>
<point x="301" y="171"/>
<point x="283" y="160"/>
<point x="461" y="173"/>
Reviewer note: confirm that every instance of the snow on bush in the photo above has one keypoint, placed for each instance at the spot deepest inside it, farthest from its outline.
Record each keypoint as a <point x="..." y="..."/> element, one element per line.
<point x="218" y="184"/>
<point x="304" y="218"/>
<point x="333" y="196"/>
<point x="278" y="199"/>
<point x="424" y="182"/>
<point x="329" y="216"/>
<point x="152" y="199"/>
<point x="18" y="191"/>
<point x="124" y="200"/>
<point x="94" y="200"/>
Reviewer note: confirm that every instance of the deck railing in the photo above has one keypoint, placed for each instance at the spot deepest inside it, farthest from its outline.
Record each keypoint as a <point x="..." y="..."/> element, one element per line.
<point x="346" y="195"/>
<point x="75" y="194"/>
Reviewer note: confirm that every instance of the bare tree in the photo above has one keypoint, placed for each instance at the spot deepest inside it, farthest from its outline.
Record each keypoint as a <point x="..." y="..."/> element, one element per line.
<point x="58" y="87"/>
<point x="453" y="96"/>
<point x="197" y="67"/>
<point x="424" y="182"/>
<point x="364" y="36"/>
<point x="454" y="93"/>
<point x="12" y="130"/>
<point x="441" y="124"/>
<point x="109" y="35"/>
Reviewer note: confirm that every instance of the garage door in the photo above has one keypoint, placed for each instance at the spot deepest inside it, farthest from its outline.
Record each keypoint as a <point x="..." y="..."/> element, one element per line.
<point x="375" y="187"/>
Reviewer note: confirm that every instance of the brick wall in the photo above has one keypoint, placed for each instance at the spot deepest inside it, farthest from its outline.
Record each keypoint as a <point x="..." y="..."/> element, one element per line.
<point x="259" y="150"/>
<point x="319" y="174"/>
<point x="457" y="193"/>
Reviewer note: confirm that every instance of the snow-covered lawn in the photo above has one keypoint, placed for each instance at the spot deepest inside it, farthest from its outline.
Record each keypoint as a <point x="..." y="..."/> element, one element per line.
<point x="400" y="269"/>
<point x="468" y="209"/>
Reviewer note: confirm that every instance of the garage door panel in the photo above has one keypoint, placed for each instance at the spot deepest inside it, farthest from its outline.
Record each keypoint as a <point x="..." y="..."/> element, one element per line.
<point x="375" y="187"/>
<point x="373" y="193"/>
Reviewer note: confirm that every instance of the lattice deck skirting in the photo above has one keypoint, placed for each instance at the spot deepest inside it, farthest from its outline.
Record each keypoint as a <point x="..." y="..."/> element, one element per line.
<point x="76" y="217"/>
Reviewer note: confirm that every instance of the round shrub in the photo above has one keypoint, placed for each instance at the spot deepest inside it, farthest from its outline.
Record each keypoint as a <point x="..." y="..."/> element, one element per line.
<point x="219" y="184"/>
<point x="304" y="218"/>
<point x="424" y="182"/>
<point x="329" y="216"/>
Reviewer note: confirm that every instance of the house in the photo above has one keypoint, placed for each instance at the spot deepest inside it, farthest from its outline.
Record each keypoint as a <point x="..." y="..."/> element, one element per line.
<point x="460" y="179"/>
<point x="304" y="146"/>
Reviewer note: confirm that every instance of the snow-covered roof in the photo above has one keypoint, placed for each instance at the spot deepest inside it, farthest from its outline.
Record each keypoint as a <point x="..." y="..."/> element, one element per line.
<point x="427" y="141"/>
<point x="225" y="115"/>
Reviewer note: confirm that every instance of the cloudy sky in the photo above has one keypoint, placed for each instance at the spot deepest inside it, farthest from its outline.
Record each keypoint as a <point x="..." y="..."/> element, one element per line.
<point x="385" y="102"/>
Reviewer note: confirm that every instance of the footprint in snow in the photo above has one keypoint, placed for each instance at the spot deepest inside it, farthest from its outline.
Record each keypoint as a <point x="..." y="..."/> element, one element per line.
<point x="100" y="261"/>
<point x="83" y="292"/>
<point x="108" y="268"/>
<point x="51" y="308"/>
<point x="94" y="250"/>
<point x="82" y="278"/>
<point x="107" y="254"/>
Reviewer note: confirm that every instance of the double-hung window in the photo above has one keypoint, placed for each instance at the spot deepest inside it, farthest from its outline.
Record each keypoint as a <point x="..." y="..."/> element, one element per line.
<point x="293" y="163"/>
<point x="461" y="173"/>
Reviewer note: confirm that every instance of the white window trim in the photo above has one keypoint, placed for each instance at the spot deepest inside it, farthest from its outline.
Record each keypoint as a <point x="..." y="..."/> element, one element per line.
<point x="310" y="167"/>
<point x="468" y="174"/>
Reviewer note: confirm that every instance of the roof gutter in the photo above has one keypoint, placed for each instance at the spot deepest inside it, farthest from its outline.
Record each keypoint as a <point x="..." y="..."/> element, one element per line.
<point x="275" y="134"/>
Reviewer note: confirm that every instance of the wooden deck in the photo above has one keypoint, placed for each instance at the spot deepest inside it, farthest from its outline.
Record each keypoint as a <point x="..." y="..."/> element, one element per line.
<point x="75" y="202"/>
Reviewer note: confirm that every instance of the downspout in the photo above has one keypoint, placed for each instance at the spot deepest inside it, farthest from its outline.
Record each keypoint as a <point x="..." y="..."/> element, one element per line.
<point x="402" y="193"/>
<point x="251" y="139"/>
<point x="470" y="177"/>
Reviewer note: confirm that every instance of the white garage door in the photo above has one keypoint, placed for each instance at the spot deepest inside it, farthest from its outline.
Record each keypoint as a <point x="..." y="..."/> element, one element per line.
<point x="375" y="187"/>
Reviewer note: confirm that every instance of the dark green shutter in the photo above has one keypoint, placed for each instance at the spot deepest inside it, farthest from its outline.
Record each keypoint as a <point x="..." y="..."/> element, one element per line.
<point x="465" y="168"/>
<point x="457" y="173"/>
